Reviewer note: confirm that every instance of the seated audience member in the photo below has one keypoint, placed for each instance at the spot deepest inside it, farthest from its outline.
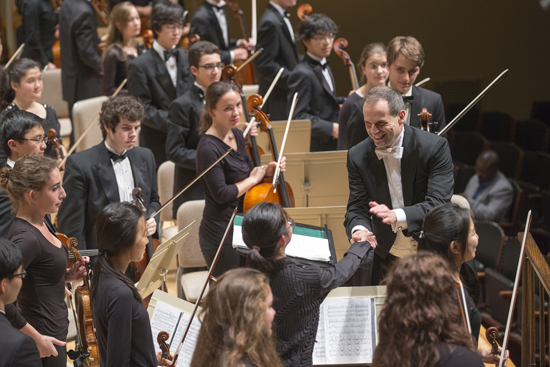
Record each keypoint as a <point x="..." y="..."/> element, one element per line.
<point x="236" y="322"/>
<point x="108" y="172"/>
<point x="34" y="186"/>
<point x="122" y="324"/>
<point x="20" y="89"/>
<point x="489" y="192"/>
<point x="121" y="47"/>
<point x="298" y="290"/>
<point x="373" y="64"/>
<point x="18" y="349"/>
<point x="313" y="80"/>
<point x="184" y="120"/>
<point x="421" y="318"/>
<point x="21" y="134"/>
<point x="159" y="76"/>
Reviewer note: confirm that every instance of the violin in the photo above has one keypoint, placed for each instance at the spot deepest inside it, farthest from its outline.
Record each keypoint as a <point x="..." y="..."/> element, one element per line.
<point x="52" y="136"/>
<point x="88" y="347"/>
<point x="148" y="38"/>
<point x="248" y="76"/>
<point x="491" y="335"/>
<point x="304" y="11"/>
<point x="194" y="38"/>
<point x="263" y="192"/>
<point x="339" y="47"/>
<point x="425" y="123"/>
<point x="228" y="74"/>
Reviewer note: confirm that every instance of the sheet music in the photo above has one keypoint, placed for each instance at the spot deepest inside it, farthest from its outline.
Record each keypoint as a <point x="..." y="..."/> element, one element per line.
<point x="348" y="331"/>
<point x="170" y="319"/>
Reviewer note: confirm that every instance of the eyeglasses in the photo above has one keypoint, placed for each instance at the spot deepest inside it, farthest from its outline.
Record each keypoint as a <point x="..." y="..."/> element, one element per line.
<point x="322" y="37"/>
<point x="210" y="67"/>
<point x="38" y="140"/>
<point x="22" y="275"/>
<point x="172" y="27"/>
<point x="291" y="223"/>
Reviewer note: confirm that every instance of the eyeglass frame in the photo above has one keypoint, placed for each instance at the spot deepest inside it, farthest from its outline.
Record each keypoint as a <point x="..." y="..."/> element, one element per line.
<point x="22" y="275"/>
<point x="37" y="140"/>
<point x="172" y="27"/>
<point x="210" y="67"/>
<point x="323" y="36"/>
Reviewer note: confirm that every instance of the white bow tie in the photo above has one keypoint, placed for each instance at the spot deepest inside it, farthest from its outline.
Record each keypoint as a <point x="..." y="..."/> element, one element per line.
<point x="396" y="152"/>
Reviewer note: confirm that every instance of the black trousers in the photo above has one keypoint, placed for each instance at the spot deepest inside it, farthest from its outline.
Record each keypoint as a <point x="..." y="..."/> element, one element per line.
<point x="229" y="258"/>
<point x="59" y="361"/>
<point x="381" y="267"/>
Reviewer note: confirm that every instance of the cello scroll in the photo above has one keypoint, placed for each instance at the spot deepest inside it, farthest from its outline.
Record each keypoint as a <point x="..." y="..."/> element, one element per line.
<point x="304" y="11"/>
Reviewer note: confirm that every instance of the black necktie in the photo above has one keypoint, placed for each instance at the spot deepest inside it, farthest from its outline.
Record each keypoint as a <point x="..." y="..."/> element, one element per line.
<point x="116" y="158"/>
<point x="408" y="99"/>
<point x="167" y="54"/>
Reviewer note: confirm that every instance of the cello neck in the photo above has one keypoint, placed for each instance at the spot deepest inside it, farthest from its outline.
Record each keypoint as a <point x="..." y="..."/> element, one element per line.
<point x="285" y="198"/>
<point x="255" y="151"/>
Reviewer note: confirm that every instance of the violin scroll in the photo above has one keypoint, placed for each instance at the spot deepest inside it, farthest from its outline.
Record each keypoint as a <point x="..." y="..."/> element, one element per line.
<point x="304" y="11"/>
<point x="194" y="38"/>
<point x="425" y="117"/>
<point x="228" y="73"/>
<point x="164" y="349"/>
<point x="491" y="335"/>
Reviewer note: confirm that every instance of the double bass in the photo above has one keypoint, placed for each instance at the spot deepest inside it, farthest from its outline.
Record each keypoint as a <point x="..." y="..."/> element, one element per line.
<point x="304" y="11"/>
<point x="339" y="47"/>
<point x="248" y="74"/>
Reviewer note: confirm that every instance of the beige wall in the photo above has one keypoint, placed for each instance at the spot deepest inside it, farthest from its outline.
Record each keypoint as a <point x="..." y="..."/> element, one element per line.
<point x="463" y="39"/>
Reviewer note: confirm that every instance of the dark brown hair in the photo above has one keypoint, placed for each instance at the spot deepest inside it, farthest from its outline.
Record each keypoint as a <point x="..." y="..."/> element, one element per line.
<point x="17" y="70"/>
<point x="199" y="49"/>
<point x="165" y="12"/>
<point x="214" y="92"/>
<point x="119" y="107"/>
<point x="234" y="330"/>
<point x="368" y="51"/>
<point x="419" y="313"/>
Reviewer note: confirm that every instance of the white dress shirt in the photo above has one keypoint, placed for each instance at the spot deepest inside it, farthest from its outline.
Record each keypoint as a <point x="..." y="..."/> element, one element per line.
<point x="407" y="105"/>
<point x="222" y="21"/>
<point x="10" y="163"/>
<point x="171" y="64"/>
<point x="402" y="246"/>
<point x="124" y="177"/>
<point x="326" y="72"/>
<point x="203" y="91"/>
<point x="287" y="22"/>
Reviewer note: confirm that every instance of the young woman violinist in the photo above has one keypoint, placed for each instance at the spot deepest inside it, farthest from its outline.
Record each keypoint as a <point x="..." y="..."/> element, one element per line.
<point x="20" y="89"/>
<point x="298" y="289"/>
<point x="121" y="46"/>
<point x="375" y="72"/>
<point x="236" y="325"/>
<point x="123" y="328"/>
<point x="225" y="184"/>
<point x="34" y="186"/>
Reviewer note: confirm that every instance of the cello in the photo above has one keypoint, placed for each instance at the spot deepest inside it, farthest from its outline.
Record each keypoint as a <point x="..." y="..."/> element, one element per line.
<point x="339" y="47"/>
<point x="248" y="76"/>
<point x="264" y="191"/>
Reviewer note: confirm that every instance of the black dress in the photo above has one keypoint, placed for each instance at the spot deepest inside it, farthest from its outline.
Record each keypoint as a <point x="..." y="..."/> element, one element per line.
<point x="343" y="118"/>
<point x="298" y="291"/>
<point x="451" y="355"/>
<point x="50" y="122"/>
<point x="39" y="21"/>
<point x="221" y="196"/>
<point x="115" y="69"/>
<point x="123" y="328"/>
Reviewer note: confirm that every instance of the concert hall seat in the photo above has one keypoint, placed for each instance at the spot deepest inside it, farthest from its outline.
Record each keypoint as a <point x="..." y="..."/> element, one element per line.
<point x="52" y="95"/>
<point x="84" y="112"/>
<point x="497" y="126"/>
<point x="532" y="135"/>
<point x="165" y="179"/>
<point x="467" y="145"/>
<point x="511" y="158"/>
<point x="490" y="245"/>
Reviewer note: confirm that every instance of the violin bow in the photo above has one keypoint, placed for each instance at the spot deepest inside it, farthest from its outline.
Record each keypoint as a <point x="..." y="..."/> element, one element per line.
<point x="278" y="168"/>
<point x="497" y="80"/>
<point x="515" y="291"/>
<point x="245" y="133"/>
<point x="176" y="355"/>
<point x="250" y="59"/>
<point x="15" y="55"/>
<point x="191" y="183"/>
<point x="463" y="307"/>
<point x="89" y="127"/>
<point x="422" y="82"/>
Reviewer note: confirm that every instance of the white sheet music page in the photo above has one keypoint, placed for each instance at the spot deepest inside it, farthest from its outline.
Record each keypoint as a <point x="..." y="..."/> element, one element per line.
<point x="172" y="320"/>
<point x="348" y="331"/>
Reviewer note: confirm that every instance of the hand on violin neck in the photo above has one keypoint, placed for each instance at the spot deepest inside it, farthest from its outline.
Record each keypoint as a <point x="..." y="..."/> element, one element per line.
<point x="151" y="226"/>
<point x="78" y="270"/>
<point x="163" y="361"/>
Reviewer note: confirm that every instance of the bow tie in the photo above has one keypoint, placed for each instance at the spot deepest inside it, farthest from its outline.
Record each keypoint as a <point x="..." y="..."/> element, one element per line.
<point x="396" y="152"/>
<point x="286" y="15"/>
<point x="324" y="66"/>
<point x="117" y="158"/>
<point x="408" y="99"/>
<point x="173" y="52"/>
<point x="200" y="92"/>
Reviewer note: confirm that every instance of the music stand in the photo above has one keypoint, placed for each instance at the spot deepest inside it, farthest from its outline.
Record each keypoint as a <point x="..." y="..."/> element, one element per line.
<point x="155" y="272"/>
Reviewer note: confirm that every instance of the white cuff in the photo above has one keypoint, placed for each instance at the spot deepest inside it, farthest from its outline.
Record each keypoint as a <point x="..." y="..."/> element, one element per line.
<point x="357" y="228"/>
<point x="401" y="223"/>
<point x="232" y="56"/>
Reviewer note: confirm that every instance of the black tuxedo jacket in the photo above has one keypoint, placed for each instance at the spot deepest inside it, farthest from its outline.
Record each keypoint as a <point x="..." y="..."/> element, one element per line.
<point x="6" y="215"/>
<point x="90" y="184"/>
<point x="181" y="144"/>
<point x="80" y="55"/>
<point x="422" y="98"/>
<point x="18" y="349"/>
<point x="426" y="177"/>
<point x="279" y="52"/>
<point x="206" y="25"/>
<point x="149" y="80"/>
<point x="316" y="102"/>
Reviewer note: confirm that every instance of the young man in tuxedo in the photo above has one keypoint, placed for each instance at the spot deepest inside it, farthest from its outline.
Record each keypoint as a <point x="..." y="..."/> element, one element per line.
<point x="184" y="117"/>
<point x="159" y="76"/>
<point x="276" y="37"/>
<point x="108" y="172"/>
<point x="21" y="134"/>
<point x="210" y="23"/>
<point x="396" y="176"/>
<point x="313" y="80"/>
<point x="18" y="349"/>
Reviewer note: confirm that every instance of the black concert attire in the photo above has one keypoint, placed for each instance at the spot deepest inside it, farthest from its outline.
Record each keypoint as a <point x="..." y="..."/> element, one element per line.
<point x="451" y="355"/>
<point x="50" y="122"/>
<point x="343" y="118"/>
<point x="41" y="301"/>
<point x="298" y="291"/>
<point x="7" y="215"/>
<point x="115" y="69"/>
<point x="18" y="349"/>
<point x="123" y="328"/>
<point x="221" y="196"/>
<point x="39" y="22"/>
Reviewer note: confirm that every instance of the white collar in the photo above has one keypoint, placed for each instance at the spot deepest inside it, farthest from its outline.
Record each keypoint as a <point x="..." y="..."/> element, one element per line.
<point x="318" y="59"/>
<point x="408" y="94"/>
<point x="111" y="149"/>
<point x="278" y="8"/>
<point x="216" y="4"/>
<point x="160" y="50"/>
<point x="398" y="142"/>
<point x="10" y="162"/>
<point x="200" y="87"/>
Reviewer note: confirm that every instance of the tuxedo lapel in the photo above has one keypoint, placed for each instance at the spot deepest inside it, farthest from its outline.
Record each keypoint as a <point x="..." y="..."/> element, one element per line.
<point x="163" y="76"/>
<point x="284" y="27"/>
<point x="181" y="86"/>
<point x="214" y="22"/>
<point x="197" y="103"/>
<point x="416" y="106"/>
<point x="409" y="162"/>
<point x="318" y="70"/>
<point x="104" y="171"/>
<point x="377" y="173"/>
